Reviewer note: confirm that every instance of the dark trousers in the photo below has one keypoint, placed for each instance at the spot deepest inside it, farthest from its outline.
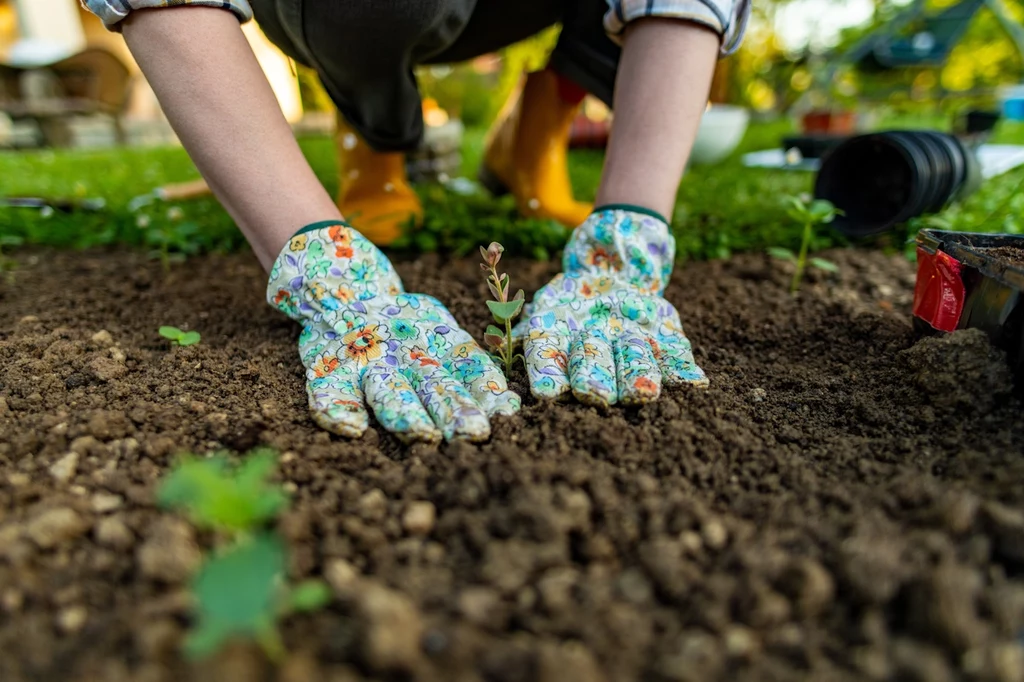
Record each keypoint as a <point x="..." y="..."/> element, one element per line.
<point x="365" y="50"/>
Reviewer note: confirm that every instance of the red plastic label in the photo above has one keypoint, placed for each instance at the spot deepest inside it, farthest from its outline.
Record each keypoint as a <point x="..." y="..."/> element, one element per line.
<point x="939" y="294"/>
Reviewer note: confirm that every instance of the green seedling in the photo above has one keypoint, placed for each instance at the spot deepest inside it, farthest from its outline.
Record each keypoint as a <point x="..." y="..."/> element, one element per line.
<point x="239" y="593"/>
<point x="240" y="590"/>
<point x="810" y="214"/>
<point x="179" y="337"/>
<point x="503" y="309"/>
<point x="172" y="241"/>
<point x="216" y="496"/>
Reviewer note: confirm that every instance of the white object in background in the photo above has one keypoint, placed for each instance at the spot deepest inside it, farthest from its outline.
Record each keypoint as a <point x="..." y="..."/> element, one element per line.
<point x="776" y="158"/>
<point x="50" y="31"/>
<point x="279" y="72"/>
<point x="721" y="129"/>
<point x="994" y="159"/>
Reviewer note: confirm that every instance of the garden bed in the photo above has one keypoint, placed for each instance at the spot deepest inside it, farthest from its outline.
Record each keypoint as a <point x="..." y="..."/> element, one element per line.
<point x="843" y="503"/>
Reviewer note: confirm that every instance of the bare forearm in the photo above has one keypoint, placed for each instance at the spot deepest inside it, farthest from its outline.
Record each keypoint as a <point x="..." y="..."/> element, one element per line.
<point x="660" y="93"/>
<point x="221" y="106"/>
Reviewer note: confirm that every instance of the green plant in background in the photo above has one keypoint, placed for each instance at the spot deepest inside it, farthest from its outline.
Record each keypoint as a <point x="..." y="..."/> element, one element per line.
<point x="810" y="214"/>
<point x="171" y="239"/>
<point x="240" y="590"/>
<point x="7" y="264"/>
<point x="503" y="309"/>
<point x="179" y="337"/>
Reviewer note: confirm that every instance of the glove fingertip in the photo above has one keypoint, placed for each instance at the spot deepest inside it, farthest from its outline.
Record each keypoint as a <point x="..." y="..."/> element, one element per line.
<point x="353" y="427"/>
<point x="504" y="404"/>
<point x="428" y="436"/>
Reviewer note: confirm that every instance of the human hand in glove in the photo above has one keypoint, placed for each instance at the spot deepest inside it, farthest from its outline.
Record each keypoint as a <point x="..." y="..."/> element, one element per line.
<point x="602" y="329"/>
<point x="366" y="342"/>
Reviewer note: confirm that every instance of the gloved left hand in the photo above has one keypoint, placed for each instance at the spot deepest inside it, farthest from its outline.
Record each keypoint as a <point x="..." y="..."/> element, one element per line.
<point x="366" y="342"/>
<point x="602" y="329"/>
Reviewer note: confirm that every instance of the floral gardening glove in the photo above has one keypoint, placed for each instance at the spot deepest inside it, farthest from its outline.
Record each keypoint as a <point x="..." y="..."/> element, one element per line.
<point x="367" y="342"/>
<point x="601" y="329"/>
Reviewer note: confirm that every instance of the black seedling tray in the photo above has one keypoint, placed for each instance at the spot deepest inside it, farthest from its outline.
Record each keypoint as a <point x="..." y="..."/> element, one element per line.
<point x="968" y="280"/>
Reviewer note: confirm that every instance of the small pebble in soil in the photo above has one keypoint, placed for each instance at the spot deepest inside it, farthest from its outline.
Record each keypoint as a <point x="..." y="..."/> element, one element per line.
<point x="103" y="503"/>
<point x="103" y="338"/>
<point x="373" y="506"/>
<point x="170" y="553"/>
<point x="740" y="642"/>
<point x="64" y="469"/>
<point x="55" y="527"/>
<point x="341" y="576"/>
<point x="758" y="395"/>
<point x="479" y="604"/>
<point x="114" y="533"/>
<point x="72" y="619"/>
<point x="12" y="600"/>
<point x="392" y="629"/>
<point x="419" y="518"/>
<point x="691" y="541"/>
<point x="714" y="534"/>
<point x="107" y="369"/>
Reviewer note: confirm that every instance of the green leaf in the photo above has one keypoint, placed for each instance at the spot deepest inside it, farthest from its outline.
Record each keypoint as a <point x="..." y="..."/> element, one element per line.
<point x="425" y="241"/>
<point x="781" y="253"/>
<point x="505" y="311"/>
<point x="310" y="595"/>
<point x="11" y="240"/>
<point x="189" y="339"/>
<point x="822" y="211"/>
<point x="236" y="595"/>
<point x="215" y="495"/>
<point x="795" y="204"/>
<point x="491" y="329"/>
<point x="826" y="265"/>
<point x="172" y="333"/>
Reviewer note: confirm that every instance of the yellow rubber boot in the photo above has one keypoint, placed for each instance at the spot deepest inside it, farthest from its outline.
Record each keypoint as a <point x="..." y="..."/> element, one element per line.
<point x="526" y="152"/>
<point x="374" y="194"/>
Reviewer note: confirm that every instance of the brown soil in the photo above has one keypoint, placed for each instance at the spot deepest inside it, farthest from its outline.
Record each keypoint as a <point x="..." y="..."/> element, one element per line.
<point x="1012" y="254"/>
<point x="842" y="504"/>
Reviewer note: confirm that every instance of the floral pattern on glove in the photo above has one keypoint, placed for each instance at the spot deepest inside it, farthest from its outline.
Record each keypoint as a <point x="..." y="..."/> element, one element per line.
<point x="366" y="342"/>
<point x="602" y="329"/>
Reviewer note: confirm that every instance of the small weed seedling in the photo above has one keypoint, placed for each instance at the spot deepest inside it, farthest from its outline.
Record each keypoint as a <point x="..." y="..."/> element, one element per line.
<point x="179" y="337"/>
<point x="240" y="590"/>
<point x="171" y="240"/>
<point x="810" y="214"/>
<point x="503" y="310"/>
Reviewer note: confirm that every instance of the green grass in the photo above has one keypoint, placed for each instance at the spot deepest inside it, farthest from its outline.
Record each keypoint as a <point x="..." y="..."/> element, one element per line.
<point x="720" y="209"/>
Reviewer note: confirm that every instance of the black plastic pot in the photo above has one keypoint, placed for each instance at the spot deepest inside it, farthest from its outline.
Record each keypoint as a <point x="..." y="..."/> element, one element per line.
<point x="967" y="280"/>
<point x="884" y="179"/>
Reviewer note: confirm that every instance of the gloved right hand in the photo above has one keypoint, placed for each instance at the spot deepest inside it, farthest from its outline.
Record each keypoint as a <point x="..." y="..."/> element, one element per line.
<point x="366" y="342"/>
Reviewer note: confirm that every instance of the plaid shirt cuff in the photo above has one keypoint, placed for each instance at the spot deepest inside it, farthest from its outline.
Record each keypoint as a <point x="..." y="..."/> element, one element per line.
<point x="113" y="12"/>
<point x="728" y="18"/>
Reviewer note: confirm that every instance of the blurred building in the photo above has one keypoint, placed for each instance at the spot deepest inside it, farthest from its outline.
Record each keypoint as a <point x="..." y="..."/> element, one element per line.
<point x="39" y="32"/>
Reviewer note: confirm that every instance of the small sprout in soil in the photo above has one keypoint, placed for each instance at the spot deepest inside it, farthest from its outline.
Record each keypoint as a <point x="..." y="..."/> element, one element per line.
<point x="172" y="239"/>
<point x="502" y="308"/>
<point x="179" y="337"/>
<point x="240" y="591"/>
<point x="214" y="495"/>
<point x="810" y="214"/>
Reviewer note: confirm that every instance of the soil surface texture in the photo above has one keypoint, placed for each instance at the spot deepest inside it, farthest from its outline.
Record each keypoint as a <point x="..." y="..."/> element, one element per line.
<point x="845" y="502"/>
<point x="1012" y="254"/>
